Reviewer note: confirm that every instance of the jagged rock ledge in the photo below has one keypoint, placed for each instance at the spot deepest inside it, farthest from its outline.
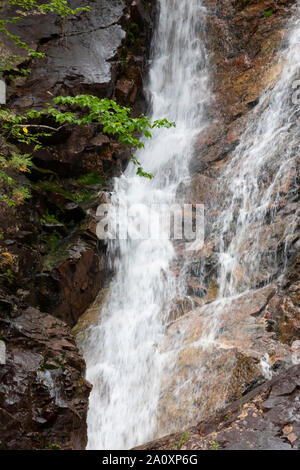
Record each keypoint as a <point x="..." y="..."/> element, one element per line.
<point x="265" y="419"/>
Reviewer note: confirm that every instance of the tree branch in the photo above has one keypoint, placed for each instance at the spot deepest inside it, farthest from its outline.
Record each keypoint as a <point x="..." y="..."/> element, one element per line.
<point x="40" y="126"/>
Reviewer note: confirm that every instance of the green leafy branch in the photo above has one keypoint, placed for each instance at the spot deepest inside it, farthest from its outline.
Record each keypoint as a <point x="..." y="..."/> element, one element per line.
<point x="61" y="7"/>
<point x="115" y="121"/>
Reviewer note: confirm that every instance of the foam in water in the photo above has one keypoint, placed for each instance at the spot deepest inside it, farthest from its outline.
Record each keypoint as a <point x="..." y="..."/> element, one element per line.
<point x="122" y="353"/>
<point x="256" y="183"/>
<point x="125" y="362"/>
<point x="265" y="366"/>
<point x="263" y="167"/>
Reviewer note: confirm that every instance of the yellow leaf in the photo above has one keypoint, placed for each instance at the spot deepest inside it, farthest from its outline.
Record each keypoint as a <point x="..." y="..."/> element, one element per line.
<point x="25" y="130"/>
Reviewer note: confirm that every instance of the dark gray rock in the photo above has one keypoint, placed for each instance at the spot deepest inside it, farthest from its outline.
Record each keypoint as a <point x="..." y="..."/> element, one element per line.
<point x="79" y="52"/>
<point x="43" y="396"/>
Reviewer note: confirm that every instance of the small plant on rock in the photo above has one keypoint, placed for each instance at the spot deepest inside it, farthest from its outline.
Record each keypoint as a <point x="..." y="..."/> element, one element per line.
<point x="214" y="445"/>
<point x="53" y="446"/>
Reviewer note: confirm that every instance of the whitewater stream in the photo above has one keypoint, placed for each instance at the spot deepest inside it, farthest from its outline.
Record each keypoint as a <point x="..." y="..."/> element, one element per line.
<point x="123" y="352"/>
<point x="123" y="359"/>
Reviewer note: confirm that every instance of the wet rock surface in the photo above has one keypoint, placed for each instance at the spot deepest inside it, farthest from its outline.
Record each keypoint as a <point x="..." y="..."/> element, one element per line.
<point x="43" y="395"/>
<point x="59" y="267"/>
<point x="243" y="44"/>
<point x="82" y="54"/>
<point x="227" y="355"/>
<point x="265" y="419"/>
<point x="56" y="264"/>
<point x="239" y="342"/>
<point x="283" y="313"/>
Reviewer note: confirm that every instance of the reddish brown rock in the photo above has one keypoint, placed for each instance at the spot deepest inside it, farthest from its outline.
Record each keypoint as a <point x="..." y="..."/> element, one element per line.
<point x="264" y="419"/>
<point x="200" y="190"/>
<point x="218" y="346"/>
<point x="125" y="90"/>
<point x="43" y="395"/>
<point x="68" y="286"/>
<point x="243" y="46"/>
<point x="78" y="269"/>
<point x="59" y="267"/>
<point x="283" y="313"/>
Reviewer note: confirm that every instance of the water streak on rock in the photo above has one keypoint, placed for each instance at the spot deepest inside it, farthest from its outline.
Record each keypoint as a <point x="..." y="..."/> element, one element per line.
<point x="122" y="352"/>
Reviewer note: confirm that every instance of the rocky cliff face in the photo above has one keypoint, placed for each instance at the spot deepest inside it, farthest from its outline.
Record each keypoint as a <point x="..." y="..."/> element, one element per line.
<point x="267" y="418"/>
<point x="57" y="267"/>
<point x="243" y="40"/>
<point x="43" y="393"/>
<point x="52" y="271"/>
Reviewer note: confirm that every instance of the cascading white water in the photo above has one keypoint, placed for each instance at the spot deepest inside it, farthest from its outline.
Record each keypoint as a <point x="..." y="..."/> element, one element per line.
<point x="123" y="354"/>
<point x="264" y="165"/>
<point x="265" y="162"/>
<point x="254" y="242"/>
<point x="124" y="362"/>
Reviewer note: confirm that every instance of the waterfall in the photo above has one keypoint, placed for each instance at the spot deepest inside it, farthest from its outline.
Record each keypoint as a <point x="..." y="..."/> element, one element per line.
<point x="122" y="351"/>
<point x="257" y="182"/>
<point x="263" y="167"/>
<point x="151" y="377"/>
<point x="254" y="237"/>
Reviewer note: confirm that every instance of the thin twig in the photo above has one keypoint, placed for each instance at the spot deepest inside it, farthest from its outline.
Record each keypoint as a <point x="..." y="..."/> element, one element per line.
<point x="39" y="126"/>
